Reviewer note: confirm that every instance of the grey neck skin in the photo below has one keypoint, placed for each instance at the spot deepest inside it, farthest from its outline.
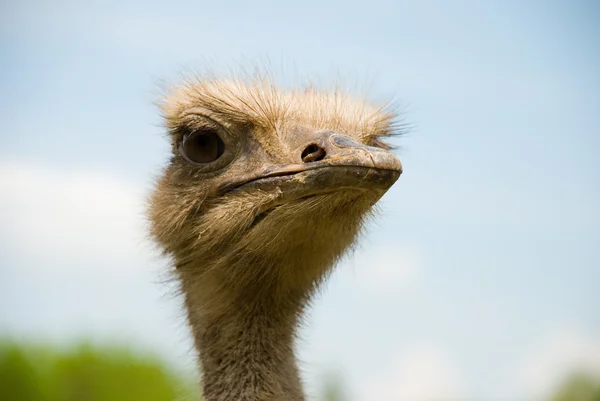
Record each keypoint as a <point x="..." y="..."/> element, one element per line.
<point x="245" y="338"/>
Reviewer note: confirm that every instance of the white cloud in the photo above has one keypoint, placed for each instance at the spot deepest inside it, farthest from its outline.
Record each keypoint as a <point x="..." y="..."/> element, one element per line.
<point x="71" y="219"/>
<point x="381" y="269"/>
<point x="74" y="262"/>
<point x="563" y="351"/>
<point x="423" y="374"/>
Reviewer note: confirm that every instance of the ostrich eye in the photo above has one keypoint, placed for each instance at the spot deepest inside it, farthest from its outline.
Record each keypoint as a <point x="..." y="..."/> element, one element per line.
<point x="202" y="147"/>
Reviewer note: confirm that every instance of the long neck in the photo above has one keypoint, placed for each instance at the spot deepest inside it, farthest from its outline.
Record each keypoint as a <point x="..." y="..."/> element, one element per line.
<point x="244" y="333"/>
<point x="245" y="294"/>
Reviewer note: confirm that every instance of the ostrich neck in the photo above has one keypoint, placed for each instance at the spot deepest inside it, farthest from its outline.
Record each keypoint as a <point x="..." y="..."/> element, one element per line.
<point x="244" y="332"/>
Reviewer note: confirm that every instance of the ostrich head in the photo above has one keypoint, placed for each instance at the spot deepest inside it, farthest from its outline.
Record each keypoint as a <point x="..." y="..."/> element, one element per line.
<point x="263" y="193"/>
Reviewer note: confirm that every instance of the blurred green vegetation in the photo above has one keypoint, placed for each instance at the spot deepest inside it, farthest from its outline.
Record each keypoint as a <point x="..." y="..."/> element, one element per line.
<point x="578" y="387"/>
<point x="333" y="388"/>
<point x="87" y="373"/>
<point x="93" y="373"/>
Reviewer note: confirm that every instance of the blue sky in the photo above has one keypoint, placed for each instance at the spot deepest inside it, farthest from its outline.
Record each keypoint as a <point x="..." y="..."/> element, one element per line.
<point x="480" y="278"/>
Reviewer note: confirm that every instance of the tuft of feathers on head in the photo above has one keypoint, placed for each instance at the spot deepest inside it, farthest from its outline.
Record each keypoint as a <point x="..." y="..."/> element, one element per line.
<point x="257" y="100"/>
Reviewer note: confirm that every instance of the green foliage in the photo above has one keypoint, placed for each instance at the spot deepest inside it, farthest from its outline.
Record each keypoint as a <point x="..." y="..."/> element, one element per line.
<point x="18" y="377"/>
<point x="333" y="389"/>
<point x="578" y="387"/>
<point x="86" y="373"/>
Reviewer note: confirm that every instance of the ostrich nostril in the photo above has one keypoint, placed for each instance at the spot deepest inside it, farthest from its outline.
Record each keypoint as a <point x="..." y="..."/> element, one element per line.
<point x="313" y="153"/>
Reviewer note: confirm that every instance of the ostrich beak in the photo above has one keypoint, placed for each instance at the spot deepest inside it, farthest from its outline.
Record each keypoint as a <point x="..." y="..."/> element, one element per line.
<point x="339" y="150"/>
<point x="328" y="162"/>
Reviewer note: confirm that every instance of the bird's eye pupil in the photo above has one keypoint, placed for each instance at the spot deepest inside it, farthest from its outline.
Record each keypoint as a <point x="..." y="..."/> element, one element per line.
<point x="202" y="146"/>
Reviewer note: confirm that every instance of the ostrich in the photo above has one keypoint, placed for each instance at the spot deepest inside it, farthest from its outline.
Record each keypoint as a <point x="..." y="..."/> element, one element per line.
<point x="264" y="192"/>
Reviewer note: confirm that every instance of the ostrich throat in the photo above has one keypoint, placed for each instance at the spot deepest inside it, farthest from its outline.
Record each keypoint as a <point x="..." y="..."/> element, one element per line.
<point x="245" y="308"/>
